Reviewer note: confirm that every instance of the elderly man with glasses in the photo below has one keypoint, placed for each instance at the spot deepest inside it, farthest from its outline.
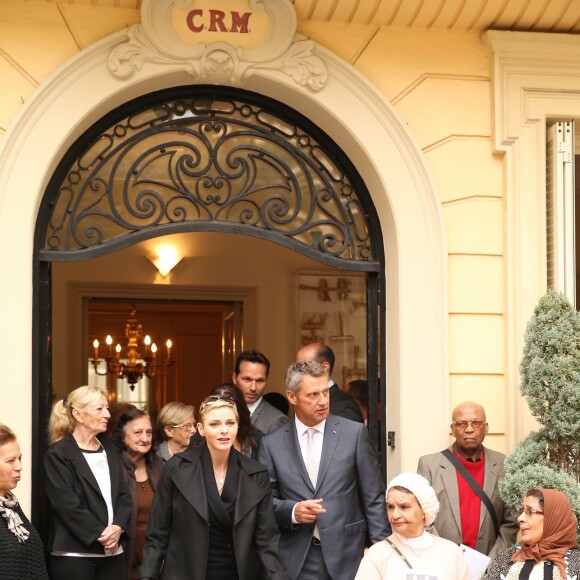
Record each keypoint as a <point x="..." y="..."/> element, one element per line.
<point x="465" y="477"/>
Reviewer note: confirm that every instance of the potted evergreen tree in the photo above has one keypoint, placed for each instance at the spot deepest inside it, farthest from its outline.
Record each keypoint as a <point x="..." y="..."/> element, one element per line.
<point x="550" y="382"/>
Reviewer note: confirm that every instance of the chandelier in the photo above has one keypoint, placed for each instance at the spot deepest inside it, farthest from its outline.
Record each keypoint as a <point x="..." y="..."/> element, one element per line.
<point x="134" y="364"/>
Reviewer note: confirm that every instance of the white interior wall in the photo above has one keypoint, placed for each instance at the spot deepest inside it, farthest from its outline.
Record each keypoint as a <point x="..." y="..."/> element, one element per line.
<point x="212" y="259"/>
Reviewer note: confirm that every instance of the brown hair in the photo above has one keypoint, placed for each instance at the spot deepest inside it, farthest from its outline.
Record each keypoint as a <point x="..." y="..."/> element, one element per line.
<point x="537" y="493"/>
<point x="6" y="435"/>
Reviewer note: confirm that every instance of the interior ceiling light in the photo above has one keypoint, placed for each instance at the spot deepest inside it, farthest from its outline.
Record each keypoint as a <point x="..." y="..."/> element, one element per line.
<point x="167" y="258"/>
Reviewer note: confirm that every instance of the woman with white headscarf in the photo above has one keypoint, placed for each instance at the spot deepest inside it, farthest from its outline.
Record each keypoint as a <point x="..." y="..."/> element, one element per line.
<point x="410" y="550"/>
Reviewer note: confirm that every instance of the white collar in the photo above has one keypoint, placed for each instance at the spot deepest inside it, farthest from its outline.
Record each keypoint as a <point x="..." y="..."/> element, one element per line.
<point x="301" y="428"/>
<point x="254" y="405"/>
<point x="422" y="541"/>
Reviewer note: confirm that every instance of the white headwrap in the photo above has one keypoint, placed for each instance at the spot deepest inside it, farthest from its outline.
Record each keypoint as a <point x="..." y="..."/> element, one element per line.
<point x="421" y="489"/>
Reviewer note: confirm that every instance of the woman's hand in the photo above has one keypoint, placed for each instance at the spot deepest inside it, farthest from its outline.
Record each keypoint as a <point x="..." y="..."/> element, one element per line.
<point x="110" y="538"/>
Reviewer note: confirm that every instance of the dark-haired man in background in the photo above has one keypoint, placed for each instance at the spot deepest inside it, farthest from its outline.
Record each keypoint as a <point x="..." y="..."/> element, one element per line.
<point x="251" y="377"/>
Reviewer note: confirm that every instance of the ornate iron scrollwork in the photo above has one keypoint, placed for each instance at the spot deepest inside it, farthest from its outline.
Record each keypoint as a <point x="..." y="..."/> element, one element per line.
<point x="220" y="164"/>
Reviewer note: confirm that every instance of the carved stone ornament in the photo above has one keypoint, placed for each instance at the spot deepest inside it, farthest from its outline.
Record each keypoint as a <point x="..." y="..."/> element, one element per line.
<point x="220" y="42"/>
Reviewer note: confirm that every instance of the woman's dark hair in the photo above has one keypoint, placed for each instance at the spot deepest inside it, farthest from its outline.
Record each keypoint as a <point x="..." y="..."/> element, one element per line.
<point x="118" y="434"/>
<point x="245" y="427"/>
<point x="537" y="493"/>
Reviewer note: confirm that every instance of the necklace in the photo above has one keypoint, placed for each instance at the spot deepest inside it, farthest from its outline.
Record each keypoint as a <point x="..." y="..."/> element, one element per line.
<point x="221" y="479"/>
<point x="416" y="545"/>
<point x="142" y="484"/>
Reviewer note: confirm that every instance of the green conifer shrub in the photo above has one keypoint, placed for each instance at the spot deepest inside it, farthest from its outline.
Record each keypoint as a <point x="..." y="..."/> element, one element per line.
<point x="550" y="383"/>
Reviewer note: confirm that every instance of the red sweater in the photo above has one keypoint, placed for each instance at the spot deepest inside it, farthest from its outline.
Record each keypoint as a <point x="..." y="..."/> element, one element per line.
<point x="469" y="502"/>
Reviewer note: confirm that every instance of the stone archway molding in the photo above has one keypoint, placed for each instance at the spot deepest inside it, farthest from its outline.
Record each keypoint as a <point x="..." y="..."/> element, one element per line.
<point x="361" y="121"/>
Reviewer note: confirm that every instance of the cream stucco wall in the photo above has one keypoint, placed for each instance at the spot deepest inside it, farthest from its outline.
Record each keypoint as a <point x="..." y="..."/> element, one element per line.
<point x="439" y="86"/>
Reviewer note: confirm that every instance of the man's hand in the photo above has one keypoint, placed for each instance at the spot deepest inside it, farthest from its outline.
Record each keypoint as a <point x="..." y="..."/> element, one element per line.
<point x="308" y="510"/>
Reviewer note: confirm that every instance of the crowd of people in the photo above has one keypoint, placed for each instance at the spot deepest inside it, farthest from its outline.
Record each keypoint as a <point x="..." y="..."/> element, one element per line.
<point x="243" y="491"/>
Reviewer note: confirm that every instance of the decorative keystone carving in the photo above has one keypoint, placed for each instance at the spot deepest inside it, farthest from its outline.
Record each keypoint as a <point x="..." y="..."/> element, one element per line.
<point x="259" y="39"/>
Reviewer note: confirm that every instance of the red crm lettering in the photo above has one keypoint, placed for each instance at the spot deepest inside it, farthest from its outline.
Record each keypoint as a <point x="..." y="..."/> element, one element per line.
<point x="239" y="22"/>
<point x="216" y="18"/>
<point x="190" y="23"/>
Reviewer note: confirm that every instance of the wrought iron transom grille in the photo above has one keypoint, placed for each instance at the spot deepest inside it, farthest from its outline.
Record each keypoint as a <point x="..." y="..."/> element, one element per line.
<point x="209" y="164"/>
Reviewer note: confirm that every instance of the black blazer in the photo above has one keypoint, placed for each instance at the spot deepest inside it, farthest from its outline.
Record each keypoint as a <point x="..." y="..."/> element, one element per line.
<point x="177" y="542"/>
<point x="79" y="512"/>
<point x="343" y="405"/>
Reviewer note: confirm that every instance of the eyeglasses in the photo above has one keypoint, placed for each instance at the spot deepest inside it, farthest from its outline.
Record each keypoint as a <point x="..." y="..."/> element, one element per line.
<point x="529" y="512"/>
<point x="188" y="426"/>
<point x="476" y="424"/>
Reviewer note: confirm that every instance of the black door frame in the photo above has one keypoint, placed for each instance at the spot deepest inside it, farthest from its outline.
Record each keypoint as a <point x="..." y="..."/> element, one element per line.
<point x="43" y="257"/>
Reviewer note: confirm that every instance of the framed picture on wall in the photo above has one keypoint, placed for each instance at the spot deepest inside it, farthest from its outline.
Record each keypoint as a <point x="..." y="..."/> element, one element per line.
<point x="330" y="308"/>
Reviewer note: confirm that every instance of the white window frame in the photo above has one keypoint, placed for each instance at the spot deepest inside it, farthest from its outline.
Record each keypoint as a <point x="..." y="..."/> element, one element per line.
<point x="560" y="209"/>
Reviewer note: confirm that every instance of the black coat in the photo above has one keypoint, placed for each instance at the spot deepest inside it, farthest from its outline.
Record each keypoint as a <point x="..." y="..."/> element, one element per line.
<point x="343" y="405"/>
<point x="79" y="512"/>
<point x="178" y="528"/>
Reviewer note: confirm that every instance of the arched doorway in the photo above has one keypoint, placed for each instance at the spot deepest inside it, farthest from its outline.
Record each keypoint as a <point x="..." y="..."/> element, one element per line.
<point x="209" y="159"/>
<point x="354" y="113"/>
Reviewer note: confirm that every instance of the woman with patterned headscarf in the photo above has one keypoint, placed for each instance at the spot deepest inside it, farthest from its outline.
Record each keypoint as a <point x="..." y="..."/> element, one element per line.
<point x="549" y="549"/>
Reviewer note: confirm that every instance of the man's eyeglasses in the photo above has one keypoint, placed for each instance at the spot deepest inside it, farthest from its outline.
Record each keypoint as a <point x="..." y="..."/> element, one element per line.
<point x="187" y="426"/>
<point x="529" y="512"/>
<point x="476" y="424"/>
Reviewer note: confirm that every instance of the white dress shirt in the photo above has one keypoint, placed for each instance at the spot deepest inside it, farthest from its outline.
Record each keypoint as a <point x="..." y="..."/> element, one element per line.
<point x="254" y="406"/>
<point x="318" y="438"/>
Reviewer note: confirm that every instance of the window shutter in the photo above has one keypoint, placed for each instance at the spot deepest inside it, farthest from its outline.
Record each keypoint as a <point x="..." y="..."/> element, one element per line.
<point x="561" y="260"/>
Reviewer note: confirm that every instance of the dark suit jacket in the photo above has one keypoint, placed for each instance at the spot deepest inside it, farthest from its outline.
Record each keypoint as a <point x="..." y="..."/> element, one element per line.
<point x="344" y="405"/>
<point x="350" y="485"/>
<point x="177" y="542"/>
<point x="79" y="513"/>
<point x="442" y="476"/>
<point x="267" y="418"/>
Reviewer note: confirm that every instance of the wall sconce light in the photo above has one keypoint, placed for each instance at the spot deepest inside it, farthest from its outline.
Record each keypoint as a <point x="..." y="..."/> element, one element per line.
<point x="167" y="258"/>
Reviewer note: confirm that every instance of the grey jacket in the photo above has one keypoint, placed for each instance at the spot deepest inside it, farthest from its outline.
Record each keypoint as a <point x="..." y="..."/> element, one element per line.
<point x="267" y="418"/>
<point x="443" y="478"/>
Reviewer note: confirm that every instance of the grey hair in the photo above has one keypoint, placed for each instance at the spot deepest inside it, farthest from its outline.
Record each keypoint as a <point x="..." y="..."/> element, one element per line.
<point x="297" y="371"/>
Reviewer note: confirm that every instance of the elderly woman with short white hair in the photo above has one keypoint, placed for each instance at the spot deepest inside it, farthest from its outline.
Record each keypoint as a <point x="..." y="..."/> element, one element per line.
<point x="410" y="550"/>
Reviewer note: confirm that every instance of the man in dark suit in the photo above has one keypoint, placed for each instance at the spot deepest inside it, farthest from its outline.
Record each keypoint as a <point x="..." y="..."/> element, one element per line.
<point x="463" y="518"/>
<point x="251" y="377"/>
<point x="325" y="480"/>
<point x="341" y="404"/>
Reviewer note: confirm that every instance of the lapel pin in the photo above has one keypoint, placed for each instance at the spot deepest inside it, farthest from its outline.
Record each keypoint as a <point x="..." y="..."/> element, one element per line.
<point x="334" y="432"/>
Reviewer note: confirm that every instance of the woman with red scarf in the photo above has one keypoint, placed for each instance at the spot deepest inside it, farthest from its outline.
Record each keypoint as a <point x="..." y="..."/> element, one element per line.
<point x="549" y="550"/>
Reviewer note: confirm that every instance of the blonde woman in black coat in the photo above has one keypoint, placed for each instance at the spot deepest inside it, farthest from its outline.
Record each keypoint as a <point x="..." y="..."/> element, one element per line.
<point x="85" y="485"/>
<point x="212" y="515"/>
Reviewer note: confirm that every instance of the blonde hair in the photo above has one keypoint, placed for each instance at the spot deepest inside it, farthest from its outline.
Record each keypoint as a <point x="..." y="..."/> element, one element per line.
<point x="62" y="421"/>
<point x="173" y="414"/>
<point x="215" y="402"/>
